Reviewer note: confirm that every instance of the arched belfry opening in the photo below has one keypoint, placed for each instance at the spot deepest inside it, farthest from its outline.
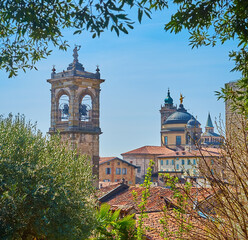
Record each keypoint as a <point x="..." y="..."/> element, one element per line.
<point x="63" y="108"/>
<point x="85" y="109"/>
<point x="75" y="108"/>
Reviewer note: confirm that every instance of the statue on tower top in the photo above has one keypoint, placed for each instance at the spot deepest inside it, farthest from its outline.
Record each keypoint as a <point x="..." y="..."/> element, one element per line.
<point x="181" y="98"/>
<point x="75" y="53"/>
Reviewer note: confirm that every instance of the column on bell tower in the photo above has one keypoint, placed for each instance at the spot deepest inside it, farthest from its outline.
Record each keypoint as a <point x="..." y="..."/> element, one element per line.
<point x="75" y="108"/>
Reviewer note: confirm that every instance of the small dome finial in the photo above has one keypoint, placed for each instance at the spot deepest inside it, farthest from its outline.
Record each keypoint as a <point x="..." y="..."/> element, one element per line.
<point x="168" y="99"/>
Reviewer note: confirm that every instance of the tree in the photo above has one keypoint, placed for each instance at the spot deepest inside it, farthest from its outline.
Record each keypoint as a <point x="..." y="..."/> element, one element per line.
<point x="29" y="28"/>
<point x="220" y="20"/>
<point x="45" y="189"/>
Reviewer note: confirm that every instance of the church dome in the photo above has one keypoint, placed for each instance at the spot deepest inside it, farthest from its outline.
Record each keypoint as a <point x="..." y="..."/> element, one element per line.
<point x="168" y="99"/>
<point x="180" y="116"/>
<point x="193" y="123"/>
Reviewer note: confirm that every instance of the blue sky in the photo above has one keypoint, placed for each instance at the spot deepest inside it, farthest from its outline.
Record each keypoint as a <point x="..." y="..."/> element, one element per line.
<point x="138" y="68"/>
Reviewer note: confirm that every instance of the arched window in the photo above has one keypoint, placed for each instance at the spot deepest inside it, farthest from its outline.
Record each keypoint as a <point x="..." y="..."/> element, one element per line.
<point x="85" y="109"/>
<point x="63" y="110"/>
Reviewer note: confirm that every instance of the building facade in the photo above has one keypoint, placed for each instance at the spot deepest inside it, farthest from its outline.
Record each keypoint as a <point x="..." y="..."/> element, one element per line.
<point x="114" y="169"/>
<point x="141" y="158"/>
<point x="75" y="109"/>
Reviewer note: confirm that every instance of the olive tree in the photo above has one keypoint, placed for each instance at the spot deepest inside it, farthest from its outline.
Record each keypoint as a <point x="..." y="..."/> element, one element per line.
<point x="45" y="189"/>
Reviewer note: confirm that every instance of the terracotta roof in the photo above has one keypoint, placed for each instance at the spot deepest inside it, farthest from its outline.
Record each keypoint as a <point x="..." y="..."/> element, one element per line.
<point x="155" y="201"/>
<point x="103" y="160"/>
<point x="154" y="228"/>
<point x="105" y="189"/>
<point x="206" y="152"/>
<point x="124" y="201"/>
<point x="154" y="150"/>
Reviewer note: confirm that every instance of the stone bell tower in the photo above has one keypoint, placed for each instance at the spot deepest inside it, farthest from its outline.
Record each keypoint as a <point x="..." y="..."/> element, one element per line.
<point x="75" y="105"/>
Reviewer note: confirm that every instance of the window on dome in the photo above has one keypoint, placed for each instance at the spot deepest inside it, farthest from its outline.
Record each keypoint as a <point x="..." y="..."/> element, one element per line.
<point x="178" y="140"/>
<point x="166" y="141"/>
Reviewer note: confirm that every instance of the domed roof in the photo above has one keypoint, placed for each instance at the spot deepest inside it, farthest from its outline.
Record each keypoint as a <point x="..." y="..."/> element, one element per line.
<point x="180" y="116"/>
<point x="193" y="123"/>
<point x="168" y="99"/>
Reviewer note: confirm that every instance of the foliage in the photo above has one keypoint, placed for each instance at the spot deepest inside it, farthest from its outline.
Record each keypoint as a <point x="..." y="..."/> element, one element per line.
<point x="29" y="28"/>
<point x="142" y="205"/>
<point x="230" y="198"/>
<point x="211" y="21"/>
<point x="45" y="189"/>
<point x="110" y="225"/>
<point x="179" y="213"/>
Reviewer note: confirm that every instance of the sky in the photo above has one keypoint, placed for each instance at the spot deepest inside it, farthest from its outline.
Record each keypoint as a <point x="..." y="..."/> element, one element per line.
<point x="138" y="69"/>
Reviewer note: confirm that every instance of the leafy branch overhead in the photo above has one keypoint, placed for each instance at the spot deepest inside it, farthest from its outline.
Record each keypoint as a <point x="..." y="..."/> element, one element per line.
<point x="27" y="28"/>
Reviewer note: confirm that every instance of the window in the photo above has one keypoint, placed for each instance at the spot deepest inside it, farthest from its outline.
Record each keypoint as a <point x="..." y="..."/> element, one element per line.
<point x="108" y="163"/>
<point x="106" y="180"/>
<point x="108" y="170"/>
<point x="130" y="182"/>
<point x="166" y="141"/>
<point x="117" y="180"/>
<point x="172" y="162"/>
<point x="182" y="162"/>
<point x="212" y="162"/>
<point x="161" y="162"/>
<point x="138" y="169"/>
<point x="167" y="162"/>
<point x="177" y="166"/>
<point x="124" y="171"/>
<point x="118" y="171"/>
<point x="194" y="162"/>
<point x="189" y="162"/>
<point x="118" y="163"/>
<point x="178" y="140"/>
<point x="212" y="171"/>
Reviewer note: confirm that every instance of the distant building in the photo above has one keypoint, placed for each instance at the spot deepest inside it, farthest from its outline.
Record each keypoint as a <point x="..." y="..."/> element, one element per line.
<point x="166" y="110"/>
<point x="182" y="142"/>
<point x="191" y="164"/>
<point x="114" y="169"/>
<point x="141" y="158"/>
<point x="180" y="129"/>
<point x="209" y="137"/>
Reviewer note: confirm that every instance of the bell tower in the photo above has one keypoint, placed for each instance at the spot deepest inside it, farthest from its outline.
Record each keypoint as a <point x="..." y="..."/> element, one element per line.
<point x="75" y="105"/>
<point x="166" y="110"/>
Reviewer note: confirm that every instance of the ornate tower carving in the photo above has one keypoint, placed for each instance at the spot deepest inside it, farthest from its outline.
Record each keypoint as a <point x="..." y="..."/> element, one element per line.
<point x="75" y="106"/>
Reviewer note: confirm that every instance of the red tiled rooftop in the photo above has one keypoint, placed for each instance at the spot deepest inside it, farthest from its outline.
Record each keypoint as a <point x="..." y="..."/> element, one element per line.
<point x="155" y="201"/>
<point x="206" y="152"/>
<point x="105" y="159"/>
<point x="156" y="150"/>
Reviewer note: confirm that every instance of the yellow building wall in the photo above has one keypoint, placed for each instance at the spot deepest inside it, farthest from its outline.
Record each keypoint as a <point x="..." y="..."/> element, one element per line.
<point x="113" y="177"/>
<point x="171" y="135"/>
